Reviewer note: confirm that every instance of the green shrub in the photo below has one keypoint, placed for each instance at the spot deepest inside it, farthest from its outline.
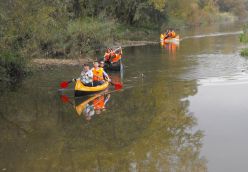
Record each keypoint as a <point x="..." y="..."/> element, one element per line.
<point x="244" y="38"/>
<point x="87" y="34"/>
<point x="12" y="66"/>
<point x="244" y="52"/>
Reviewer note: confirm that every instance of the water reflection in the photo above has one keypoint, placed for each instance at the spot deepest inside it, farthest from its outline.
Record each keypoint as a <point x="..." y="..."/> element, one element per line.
<point x="172" y="47"/>
<point x="152" y="134"/>
<point x="146" y="128"/>
<point x="88" y="107"/>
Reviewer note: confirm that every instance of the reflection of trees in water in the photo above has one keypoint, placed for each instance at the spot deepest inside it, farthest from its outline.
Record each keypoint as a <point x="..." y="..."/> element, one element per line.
<point x="146" y="134"/>
<point x="147" y="129"/>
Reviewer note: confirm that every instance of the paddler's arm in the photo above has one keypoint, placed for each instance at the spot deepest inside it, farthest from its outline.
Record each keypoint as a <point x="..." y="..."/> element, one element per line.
<point x="90" y="74"/>
<point x="106" y="76"/>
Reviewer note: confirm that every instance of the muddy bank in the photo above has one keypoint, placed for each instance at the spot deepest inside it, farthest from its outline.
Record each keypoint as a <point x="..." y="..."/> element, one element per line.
<point x="42" y="62"/>
<point x="125" y="43"/>
<point x="54" y="62"/>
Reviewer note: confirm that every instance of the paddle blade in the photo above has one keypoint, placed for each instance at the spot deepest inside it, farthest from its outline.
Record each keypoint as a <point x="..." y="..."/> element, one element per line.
<point x="118" y="86"/>
<point x="64" y="99"/>
<point x="64" y="84"/>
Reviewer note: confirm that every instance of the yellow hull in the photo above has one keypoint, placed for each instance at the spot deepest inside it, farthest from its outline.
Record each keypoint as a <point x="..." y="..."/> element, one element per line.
<point x="79" y="87"/>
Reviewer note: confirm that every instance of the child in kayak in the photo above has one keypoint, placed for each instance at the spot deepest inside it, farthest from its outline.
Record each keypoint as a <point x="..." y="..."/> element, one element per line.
<point x="86" y="76"/>
<point x="101" y="64"/>
<point x="99" y="74"/>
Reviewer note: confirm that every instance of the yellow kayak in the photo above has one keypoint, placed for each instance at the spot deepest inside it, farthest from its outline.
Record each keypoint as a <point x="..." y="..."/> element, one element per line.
<point x="81" y="90"/>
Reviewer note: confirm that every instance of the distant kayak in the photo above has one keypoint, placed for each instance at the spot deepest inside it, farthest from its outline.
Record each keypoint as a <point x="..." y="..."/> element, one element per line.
<point x="81" y="90"/>
<point x="168" y="40"/>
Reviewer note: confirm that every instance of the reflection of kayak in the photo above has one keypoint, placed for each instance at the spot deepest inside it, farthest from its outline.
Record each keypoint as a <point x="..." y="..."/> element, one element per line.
<point x="169" y="44"/>
<point x="174" y="40"/>
<point x="92" y="105"/>
<point x="81" y="104"/>
<point x="81" y="90"/>
<point x="113" y="66"/>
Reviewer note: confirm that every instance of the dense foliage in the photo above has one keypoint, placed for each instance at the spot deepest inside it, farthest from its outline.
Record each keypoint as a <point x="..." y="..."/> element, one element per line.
<point x="76" y="28"/>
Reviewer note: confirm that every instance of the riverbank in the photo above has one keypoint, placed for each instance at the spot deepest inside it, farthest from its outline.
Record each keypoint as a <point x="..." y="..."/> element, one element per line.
<point x="125" y="43"/>
<point x="42" y="62"/>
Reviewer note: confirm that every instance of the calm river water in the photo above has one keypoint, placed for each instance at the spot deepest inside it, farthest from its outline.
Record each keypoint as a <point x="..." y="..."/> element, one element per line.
<point x="183" y="108"/>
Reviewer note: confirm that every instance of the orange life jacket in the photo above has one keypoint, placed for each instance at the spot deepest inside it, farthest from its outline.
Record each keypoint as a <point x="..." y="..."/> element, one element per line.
<point x="112" y="53"/>
<point x="173" y="34"/>
<point x="97" y="74"/>
<point x="107" y="56"/>
<point x="116" y="58"/>
<point x="99" y="103"/>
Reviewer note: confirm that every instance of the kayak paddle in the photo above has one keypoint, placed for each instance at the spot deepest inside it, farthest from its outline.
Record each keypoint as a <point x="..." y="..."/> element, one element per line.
<point x="64" y="98"/>
<point x="117" y="86"/>
<point x="65" y="84"/>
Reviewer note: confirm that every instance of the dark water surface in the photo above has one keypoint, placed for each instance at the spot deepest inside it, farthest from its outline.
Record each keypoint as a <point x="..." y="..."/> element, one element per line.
<point x="183" y="108"/>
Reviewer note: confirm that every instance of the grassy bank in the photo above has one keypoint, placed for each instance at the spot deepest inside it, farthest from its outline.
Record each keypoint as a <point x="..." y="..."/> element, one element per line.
<point x="244" y="52"/>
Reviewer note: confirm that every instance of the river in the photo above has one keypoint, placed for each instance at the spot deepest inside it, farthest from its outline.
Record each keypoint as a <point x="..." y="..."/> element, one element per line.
<point x="182" y="108"/>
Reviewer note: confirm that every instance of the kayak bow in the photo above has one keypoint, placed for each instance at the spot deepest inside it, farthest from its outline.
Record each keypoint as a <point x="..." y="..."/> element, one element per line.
<point x="81" y="90"/>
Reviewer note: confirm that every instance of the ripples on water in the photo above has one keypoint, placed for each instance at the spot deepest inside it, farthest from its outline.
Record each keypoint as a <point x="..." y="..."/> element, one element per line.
<point x="212" y="35"/>
<point x="217" y="66"/>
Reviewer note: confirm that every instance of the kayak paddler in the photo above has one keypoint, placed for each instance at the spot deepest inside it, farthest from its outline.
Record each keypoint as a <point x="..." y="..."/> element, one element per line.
<point x="101" y="64"/>
<point x="99" y="74"/>
<point x="107" y="55"/>
<point x="117" y="56"/>
<point x="86" y="76"/>
<point x="168" y="34"/>
<point x="173" y="34"/>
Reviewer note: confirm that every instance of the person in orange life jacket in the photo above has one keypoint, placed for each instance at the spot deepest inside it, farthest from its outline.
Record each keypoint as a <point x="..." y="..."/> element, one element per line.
<point x="117" y="56"/>
<point x="99" y="74"/>
<point x="163" y="35"/>
<point x="168" y="34"/>
<point x="107" y="55"/>
<point x="100" y="102"/>
<point x="101" y="64"/>
<point x="112" y="55"/>
<point x="173" y="34"/>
